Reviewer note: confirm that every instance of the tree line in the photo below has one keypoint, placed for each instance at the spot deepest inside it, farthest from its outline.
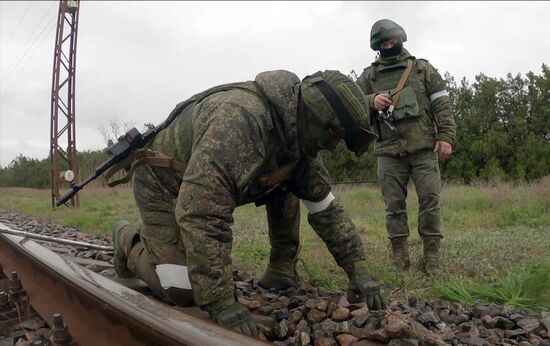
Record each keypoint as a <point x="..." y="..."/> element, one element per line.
<point x="503" y="133"/>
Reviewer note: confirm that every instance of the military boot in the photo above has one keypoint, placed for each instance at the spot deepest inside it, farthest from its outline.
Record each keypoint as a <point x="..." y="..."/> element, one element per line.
<point x="400" y="249"/>
<point x="281" y="274"/>
<point x="124" y="237"/>
<point x="430" y="261"/>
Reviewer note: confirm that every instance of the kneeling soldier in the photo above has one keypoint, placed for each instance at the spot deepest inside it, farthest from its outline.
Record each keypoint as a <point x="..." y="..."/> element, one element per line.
<point x="236" y="144"/>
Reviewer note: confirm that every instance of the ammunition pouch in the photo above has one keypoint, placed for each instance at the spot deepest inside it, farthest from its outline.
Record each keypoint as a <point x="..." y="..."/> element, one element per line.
<point x="407" y="106"/>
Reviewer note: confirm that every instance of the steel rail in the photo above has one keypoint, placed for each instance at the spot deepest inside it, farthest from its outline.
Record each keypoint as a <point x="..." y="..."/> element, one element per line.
<point x="99" y="311"/>
<point x="30" y="235"/>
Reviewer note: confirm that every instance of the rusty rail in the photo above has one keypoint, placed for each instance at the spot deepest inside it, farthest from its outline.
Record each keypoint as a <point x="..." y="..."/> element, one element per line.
<point x="99" y="311"/>
<point x="47" y="238"/>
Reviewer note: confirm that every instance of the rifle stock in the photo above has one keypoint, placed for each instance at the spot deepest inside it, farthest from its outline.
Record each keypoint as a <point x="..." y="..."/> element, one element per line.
<point x="129" y="142"/>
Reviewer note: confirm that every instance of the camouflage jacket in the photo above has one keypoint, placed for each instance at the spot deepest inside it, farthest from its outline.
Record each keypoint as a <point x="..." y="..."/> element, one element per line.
<point x="423" y="113"/>
<point x="240" y="144"/>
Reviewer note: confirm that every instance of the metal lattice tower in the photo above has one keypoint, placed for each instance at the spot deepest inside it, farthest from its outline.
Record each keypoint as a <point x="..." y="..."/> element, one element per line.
<point x="63" y="99"/>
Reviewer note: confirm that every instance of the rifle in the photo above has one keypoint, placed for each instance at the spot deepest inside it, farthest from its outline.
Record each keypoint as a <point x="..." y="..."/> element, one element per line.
<point x="133" y="140"/>
<point x="386" y="117"/>
<point x="117" y="152"/>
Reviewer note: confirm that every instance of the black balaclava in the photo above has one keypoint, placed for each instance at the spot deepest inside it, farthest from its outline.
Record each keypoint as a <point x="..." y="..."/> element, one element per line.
<point x="393" y="51"/>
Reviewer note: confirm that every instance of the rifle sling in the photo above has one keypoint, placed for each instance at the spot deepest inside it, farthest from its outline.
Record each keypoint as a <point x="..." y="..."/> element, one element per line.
<point x="401" y="84"/>
<point x="138" y="158"/>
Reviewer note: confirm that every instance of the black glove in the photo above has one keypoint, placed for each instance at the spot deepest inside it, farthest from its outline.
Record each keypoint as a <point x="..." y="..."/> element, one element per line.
<point x="236" y="317"/>
<point x="362" y="288"/>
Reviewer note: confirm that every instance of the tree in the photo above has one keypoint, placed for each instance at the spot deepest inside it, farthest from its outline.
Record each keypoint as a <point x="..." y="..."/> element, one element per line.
<point x="503" y="133"/>
<point x="114" y="130"/>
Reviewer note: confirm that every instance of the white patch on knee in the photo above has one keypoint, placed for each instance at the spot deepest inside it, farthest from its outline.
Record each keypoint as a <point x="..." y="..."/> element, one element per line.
<point x="316" y="207"/>
<point x="173" y="275"/>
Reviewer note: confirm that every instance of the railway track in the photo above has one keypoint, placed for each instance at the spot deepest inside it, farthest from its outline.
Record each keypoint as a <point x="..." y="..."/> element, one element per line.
<point x="43" y="288"/>
<point x="65" y="292"/>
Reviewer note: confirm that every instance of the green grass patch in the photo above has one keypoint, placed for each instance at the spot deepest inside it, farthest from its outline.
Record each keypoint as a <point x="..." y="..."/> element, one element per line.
<point x="526" y="287"/>
<point x="454" y="291"/>
<point x="487" y="230"/>
<point x="99" y="209"/>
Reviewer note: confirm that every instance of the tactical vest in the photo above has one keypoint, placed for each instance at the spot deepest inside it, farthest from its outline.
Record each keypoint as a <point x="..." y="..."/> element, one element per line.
<point x="413" y="101"/>
<point x="412" y="115"/>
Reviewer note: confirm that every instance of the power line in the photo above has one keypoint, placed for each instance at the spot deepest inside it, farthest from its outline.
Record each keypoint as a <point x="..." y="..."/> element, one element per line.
<point x="33" y="53"/>
<point x="37" y="48"/>
<point x="32" y="45"/>
<point x="32" y="34"/>
<point x="11" y="71"/>
<point x="17" y="27"/>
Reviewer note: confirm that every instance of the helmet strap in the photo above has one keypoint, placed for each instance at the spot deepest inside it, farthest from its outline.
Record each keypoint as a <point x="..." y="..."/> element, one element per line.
<point x="352" y="130"/>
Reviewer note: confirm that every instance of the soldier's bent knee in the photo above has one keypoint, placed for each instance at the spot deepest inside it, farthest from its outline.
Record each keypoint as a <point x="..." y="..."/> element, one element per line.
<point x="175" y="283"/>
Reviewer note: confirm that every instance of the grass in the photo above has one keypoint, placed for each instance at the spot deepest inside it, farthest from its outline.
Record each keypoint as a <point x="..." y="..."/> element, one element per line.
<point x="526" y="287"/>
<point x="492" y="232"/>
<point x="99" y="208"/>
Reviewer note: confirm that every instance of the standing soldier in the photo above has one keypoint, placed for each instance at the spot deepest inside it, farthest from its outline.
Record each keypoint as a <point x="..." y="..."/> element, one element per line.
<point x="411" y="111"/>
<point x="231" y="145"/>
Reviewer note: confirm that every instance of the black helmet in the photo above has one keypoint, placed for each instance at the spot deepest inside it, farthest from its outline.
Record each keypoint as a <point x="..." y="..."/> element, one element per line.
<point x="383" y="30"/>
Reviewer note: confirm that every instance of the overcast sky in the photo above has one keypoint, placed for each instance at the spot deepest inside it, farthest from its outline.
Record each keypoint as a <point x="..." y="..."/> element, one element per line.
<point x="136" y="60"/>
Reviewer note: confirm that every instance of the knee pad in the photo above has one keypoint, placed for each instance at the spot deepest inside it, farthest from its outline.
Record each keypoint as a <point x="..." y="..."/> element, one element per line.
<point x="175" y="283"/>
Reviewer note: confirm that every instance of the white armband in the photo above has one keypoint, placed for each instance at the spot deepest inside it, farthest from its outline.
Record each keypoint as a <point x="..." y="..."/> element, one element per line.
<point x="315" y="207"/>
<point x="438" y="94"/>
<point x="173" y="275"/>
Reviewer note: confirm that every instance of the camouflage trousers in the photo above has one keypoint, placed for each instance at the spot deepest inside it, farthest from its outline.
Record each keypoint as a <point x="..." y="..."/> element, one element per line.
<point x="283" y="218"/>
<point x="155" y="192"/>
<point x="159" y="257"/>
<point x="394" y="173"/>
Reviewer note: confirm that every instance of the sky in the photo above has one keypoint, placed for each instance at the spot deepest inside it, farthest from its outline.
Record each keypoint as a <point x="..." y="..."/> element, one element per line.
<point x="137" y="60"/>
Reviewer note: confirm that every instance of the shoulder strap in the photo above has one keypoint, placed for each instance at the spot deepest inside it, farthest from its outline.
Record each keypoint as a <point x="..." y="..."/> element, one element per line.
<point x="138" y="158"/>
<point x="248" y="86"/>
<point x="402" y="81"/>
<point x="142" y="156"/>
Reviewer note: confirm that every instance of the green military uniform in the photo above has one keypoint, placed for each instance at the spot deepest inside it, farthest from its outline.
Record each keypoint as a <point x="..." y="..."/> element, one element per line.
<point x="422" y="116"/>
<point x="239" y="144"/>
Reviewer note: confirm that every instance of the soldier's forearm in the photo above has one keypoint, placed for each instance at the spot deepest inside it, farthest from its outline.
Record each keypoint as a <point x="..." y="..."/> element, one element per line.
<point x="337" y="230"/>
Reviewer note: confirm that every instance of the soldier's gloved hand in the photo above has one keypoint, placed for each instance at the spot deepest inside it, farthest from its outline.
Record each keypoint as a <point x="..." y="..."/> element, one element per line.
<point x="362" y="288"/>
<point x="236" y="317"/>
